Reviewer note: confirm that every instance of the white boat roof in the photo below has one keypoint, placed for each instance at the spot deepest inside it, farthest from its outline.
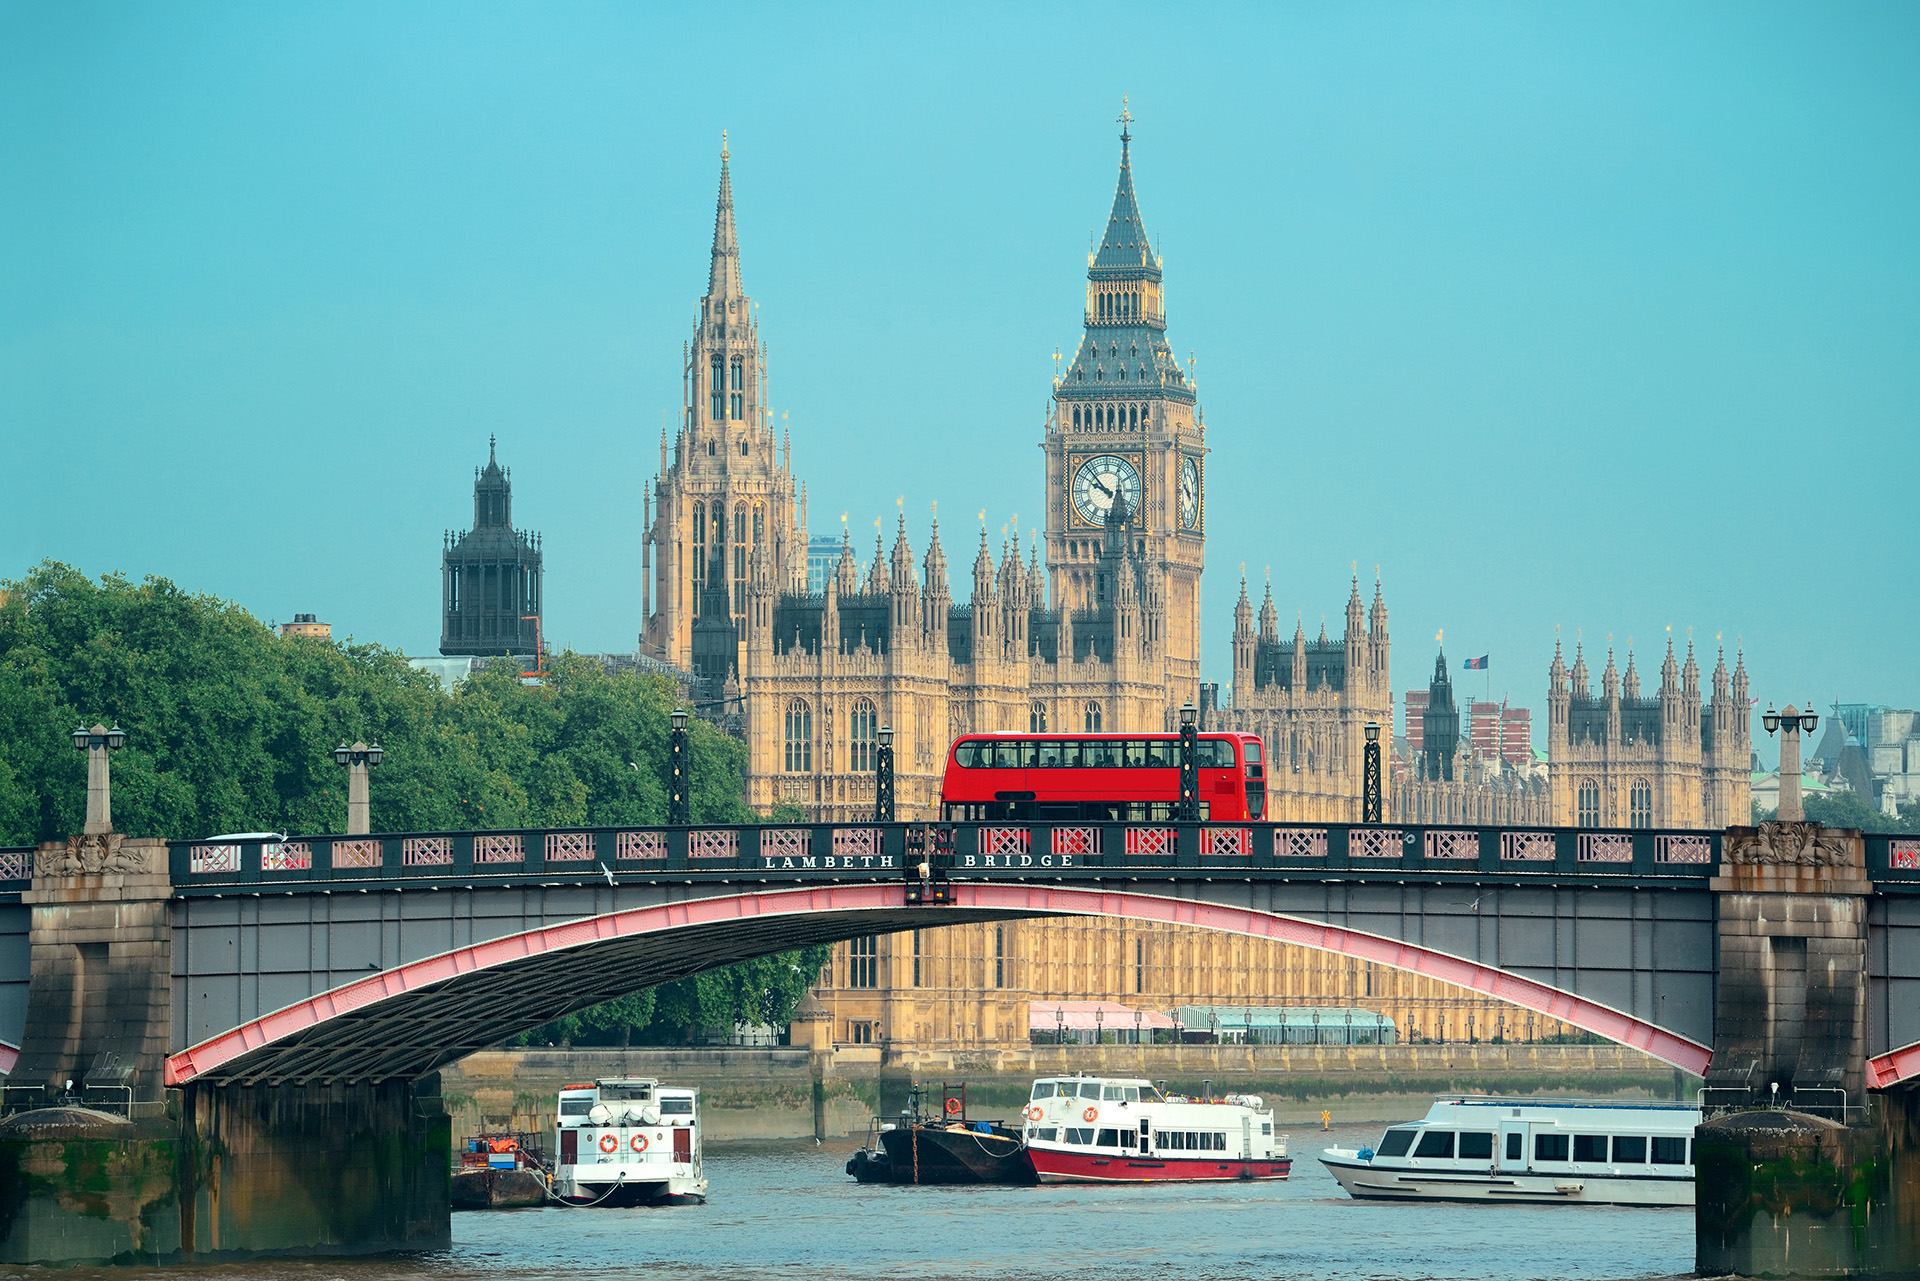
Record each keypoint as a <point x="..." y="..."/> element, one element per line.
<point x="1491" y="1107"/>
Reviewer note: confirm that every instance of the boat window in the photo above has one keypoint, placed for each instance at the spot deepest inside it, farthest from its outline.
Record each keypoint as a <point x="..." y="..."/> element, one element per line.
<point x="1107" y="1139"/>
<point x="1266" y="1127"/>
<point x="1089" y="1089"/>
<point x="1043" y="1089"/>
<point x="1629" y="1151"/>
<point x="676" y="1107"/>
<point x="1435" y="1143"/>
<point x="1152" y="1094"/>
<point x="1549" y="1147"/>
<point x="1077" y="1134"/>
<point x="1130" y="1093"/>
<point x="1396" y="1142"/>
<point x="1669" y="1151"/>
<point x="1046" y="1135"/>
<point x="575" y="1107"/>
<point x="1476" y="1147"/>
<point x="1516" y="1146"/>
<point x="1589" y="1147"/>
<point x="1113" y="1093"/>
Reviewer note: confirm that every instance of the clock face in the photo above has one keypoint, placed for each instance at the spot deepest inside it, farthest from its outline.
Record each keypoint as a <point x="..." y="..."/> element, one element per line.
<point x="1189" y="493"/>
<point x="1101" y="479"/>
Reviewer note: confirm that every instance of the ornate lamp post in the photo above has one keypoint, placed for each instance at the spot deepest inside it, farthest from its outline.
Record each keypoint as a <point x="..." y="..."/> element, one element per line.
<point x="97" y="742"/>
<point x="679" y="808"/>
<point x="1189" y="764"/>
<point x="883" y="777"/>
<point x="1790" y="722"/>
<point x="358" y="759"/>
<point x="1099" y="1026"/>
<point x="1059" y="1025"/>
<point x="1370" y="778"/>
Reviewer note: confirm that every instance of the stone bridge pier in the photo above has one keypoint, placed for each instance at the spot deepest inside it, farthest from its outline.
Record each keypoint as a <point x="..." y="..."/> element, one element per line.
<point x="1800" y="1172"/>
<point x="114" y="1167"/>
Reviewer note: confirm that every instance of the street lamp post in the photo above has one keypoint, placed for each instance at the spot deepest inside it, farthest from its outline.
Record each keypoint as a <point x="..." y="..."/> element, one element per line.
<point x="679" y="808"/>
<point x="1370" y="779"/>
<point x="883" y="777"/>
<point x="1189" y="764"/>
<point x="1059" y="1025"/>
<point x="358" y="759"/>
<point x="96" y="743"/>
<point x="1789" y="722"/>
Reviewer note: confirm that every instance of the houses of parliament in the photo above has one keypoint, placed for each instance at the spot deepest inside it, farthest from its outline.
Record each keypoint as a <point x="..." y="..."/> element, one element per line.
<point x="1094" y="624"/>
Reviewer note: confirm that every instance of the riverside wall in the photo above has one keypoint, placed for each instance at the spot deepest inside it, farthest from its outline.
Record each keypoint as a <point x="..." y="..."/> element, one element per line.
<point x="769" y="1094"/>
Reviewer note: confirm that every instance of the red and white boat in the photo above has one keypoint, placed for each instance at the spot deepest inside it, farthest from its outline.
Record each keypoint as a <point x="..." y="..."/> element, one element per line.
<point x="1098" y="1129"/>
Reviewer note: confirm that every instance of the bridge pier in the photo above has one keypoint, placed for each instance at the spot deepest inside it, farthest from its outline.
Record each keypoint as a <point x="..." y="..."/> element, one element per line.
<point x="315" y="1169"/>
<point x="1797" y="1176"/>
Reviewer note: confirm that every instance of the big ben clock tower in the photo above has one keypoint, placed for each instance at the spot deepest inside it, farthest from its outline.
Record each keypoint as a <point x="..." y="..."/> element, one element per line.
<point x="1126" y="428"/>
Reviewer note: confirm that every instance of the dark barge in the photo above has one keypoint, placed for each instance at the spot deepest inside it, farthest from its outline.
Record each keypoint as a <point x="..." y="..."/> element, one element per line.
<point x="942" y="1146"/>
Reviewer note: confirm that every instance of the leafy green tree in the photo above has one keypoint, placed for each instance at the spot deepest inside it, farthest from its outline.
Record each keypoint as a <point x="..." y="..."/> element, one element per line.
<point x="231" y="727"/>
<point x="1850" y="809"/>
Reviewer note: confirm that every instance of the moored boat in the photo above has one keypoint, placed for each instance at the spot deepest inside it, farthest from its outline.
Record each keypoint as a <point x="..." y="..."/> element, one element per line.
<point x="1540" y="1150"/>
<point x="628" y="1140"/>
<point x="1091" y="1129"/>
<point x="944" y="1146"/>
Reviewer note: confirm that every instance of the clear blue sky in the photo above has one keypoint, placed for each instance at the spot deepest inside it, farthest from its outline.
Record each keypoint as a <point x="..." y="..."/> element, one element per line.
<point x="1598" y="316"/>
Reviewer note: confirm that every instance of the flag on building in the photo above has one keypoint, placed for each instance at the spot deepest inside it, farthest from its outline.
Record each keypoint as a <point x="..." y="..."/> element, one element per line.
<point x="1476" y="664"/>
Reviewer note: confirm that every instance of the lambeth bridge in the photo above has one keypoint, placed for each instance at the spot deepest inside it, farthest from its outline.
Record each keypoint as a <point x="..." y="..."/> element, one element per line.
<point x="273" y="995"/>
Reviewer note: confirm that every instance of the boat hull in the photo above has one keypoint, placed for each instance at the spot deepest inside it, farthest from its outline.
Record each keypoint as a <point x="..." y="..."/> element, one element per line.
<point x="1372" y="1181"/>
<point x="1053" y="1165"/>
<point x="936" y="1154"/>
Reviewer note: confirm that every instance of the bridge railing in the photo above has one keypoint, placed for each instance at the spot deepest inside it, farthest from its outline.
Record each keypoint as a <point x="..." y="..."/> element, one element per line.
<point x="1013" y="849"/>
<point x="16" y="868"/>
<point x="1893" y="859"/>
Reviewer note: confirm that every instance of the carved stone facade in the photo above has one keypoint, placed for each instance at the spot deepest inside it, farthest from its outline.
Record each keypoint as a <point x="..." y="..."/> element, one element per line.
<point x="1104" y="636"/>
<point x="1447" y="782"/>
<point x="1620" y="760"/>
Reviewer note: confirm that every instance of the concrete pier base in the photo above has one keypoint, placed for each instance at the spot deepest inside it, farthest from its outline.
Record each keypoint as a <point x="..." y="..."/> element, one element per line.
<point x="1787" y="1195"/>
<point x="329" y="1170"/>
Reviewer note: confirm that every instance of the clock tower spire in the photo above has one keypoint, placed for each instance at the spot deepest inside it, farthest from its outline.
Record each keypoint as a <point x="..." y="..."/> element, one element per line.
<point x="1125" y="425"/>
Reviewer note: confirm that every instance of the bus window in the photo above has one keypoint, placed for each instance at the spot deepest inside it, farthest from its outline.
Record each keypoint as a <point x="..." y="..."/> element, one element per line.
<point x="1162" y="754"/>
<point x="1070" y="755"/>
<point x="1133" y="753"/>
<point x="967" y="755"/>
<point x="1101" y="755"/>
<point x="1006" y="756"/>
<point x="1049" y="756"/>
<point x="1253" y="753"/>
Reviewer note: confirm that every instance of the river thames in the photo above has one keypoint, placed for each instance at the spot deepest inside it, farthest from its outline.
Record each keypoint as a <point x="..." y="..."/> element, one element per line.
<point x="790" y="1211"/>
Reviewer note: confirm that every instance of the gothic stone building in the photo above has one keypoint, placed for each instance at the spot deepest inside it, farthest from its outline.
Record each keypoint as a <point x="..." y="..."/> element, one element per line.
<point x="1621" y="760"/>
<point x="490" y="587"/>
<point x="1446" y="784"/>
<point x="1103" y="634"/>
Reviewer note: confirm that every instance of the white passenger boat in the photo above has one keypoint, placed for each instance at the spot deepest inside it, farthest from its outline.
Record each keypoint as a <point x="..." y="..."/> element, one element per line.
<point x="1493" y="1149"/>
<point x="1092" y="1129"/>
<point x="628" y="1141"/>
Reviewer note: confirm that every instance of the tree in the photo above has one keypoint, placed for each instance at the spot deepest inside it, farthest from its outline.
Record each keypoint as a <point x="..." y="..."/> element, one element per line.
<point x="1850" y="809"/>
<point x="231" y="727"/>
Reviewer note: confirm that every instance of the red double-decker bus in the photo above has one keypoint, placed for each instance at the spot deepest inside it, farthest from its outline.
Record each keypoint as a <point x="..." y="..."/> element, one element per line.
<point x="1099" y="777"/>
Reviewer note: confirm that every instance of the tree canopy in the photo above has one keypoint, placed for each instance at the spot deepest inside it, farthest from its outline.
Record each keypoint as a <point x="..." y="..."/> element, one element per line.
<point x="231" y="727"/>
<point x="1850" y="809"/>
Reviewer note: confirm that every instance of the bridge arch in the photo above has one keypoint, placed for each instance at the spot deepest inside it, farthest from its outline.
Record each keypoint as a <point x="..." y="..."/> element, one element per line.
<point x="409" y="1020"/>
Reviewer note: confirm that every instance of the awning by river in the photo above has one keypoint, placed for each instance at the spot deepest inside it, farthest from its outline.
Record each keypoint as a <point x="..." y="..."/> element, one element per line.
<point x="1084" y="1021"/>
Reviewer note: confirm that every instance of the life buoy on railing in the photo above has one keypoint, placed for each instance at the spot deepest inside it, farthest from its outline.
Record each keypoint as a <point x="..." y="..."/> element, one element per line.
<point x="1089" y="1114"/>
<point x="608" y="1143"/>
<point x="1035" y="1112"/>
<point x="638" y="1143"/>
<point x="953" y="1107"/>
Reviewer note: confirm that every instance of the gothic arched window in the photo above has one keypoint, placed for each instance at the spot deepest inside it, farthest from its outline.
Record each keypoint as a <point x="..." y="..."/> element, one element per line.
<point x="739" y="401"/>
<point x="863" y="746"/>
<point x="1589" y="809"/>
<point x="759" y="523"/>
<point x="1076" y="418"/>
<point x="1640" y="805"/>
<point x="799" y="738"/>
<point x="1093" y="718"/>
<point x="1037" y="719"/>
<point x="716" y="388"/>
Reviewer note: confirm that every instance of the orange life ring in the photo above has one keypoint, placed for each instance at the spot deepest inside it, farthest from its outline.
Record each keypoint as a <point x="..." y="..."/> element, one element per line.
<point x="1034" y="1113"/>
<point x="953" y="1107"/>
<point x="1090" y="1114"/>
<point x="608" y="1143"/>
<point x="638" y="1143"/>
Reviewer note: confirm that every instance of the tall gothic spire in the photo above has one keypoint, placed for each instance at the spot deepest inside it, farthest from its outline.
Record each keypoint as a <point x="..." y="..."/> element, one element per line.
<point x="723" y="280"/>
<point x="1126" y="242"/>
